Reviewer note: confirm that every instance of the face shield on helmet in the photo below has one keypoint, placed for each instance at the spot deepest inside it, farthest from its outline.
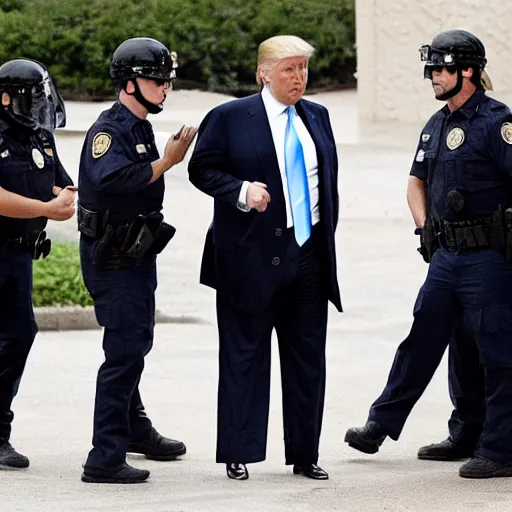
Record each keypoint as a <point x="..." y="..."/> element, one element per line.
<point x="456" y="51"/>
<point x="36" y="106"/>
<point x="436" y="60"/>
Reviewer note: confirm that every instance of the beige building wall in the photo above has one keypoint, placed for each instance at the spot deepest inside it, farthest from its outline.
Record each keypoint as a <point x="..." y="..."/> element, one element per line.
<point x="393" y="98"/>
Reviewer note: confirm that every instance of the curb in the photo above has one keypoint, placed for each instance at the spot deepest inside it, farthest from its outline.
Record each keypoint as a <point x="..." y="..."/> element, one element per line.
<point x="78" y="318"/>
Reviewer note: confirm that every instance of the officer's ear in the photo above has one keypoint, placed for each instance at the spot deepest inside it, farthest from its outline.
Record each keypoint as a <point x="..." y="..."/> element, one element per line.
<point x="6" y="99"/>
<point x="467" y="73"/>
<point x="129" y="86"/>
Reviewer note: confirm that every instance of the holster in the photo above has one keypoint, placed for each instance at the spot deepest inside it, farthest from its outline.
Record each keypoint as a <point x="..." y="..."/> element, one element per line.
<point x="104" y="247"/>
<point x="88" y="221"/>
<point x="38" y="245"/>
<point x="141" y="235"/>
<point x="163" y="237"/>
<point x="429" y="240"/>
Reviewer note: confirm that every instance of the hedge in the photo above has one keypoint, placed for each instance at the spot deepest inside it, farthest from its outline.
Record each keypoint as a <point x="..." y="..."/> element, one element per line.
<point x="216" y="40"/>
<point x="58" y="278"/>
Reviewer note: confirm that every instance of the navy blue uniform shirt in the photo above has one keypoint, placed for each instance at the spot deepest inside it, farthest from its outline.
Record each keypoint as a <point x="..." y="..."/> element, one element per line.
<point x="115" y="166"/>
<point x="29" y="166"/>
<point x="468" y="151"/>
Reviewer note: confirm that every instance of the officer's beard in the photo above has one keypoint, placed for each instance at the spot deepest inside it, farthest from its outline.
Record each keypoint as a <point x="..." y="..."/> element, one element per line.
<point x="446" y="95"/>
<point x="152" y="108"/>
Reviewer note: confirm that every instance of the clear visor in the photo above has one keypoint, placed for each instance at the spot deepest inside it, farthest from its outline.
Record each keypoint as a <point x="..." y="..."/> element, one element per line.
<point x="433" y="57"/>
<point x="39" y="106"/>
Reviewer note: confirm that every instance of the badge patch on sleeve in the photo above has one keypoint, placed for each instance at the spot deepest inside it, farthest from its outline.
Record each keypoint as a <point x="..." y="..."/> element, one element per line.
<point x="100" y="144"/>
<point x="506" y="132"/>
<point x="420" y="156"/>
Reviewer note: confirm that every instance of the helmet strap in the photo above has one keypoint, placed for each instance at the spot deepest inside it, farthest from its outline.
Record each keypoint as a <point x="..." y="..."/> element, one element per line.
<point x="152" y="108"/>
<point x="455" y="90"/>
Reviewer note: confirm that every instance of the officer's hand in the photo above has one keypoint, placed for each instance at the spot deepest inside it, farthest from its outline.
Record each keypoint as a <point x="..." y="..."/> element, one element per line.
<point x="257" y="196"/>
<point x="178" y="144"/>
<point x="63" y="206"/>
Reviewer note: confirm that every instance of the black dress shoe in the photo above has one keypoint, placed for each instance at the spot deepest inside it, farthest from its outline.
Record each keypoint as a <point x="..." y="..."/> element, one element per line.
<point x="366" y="439"/>
<point x="478" y="467"/>
<point x="237" y="471"/>
<point x="445" y="450"/>
<point x="124" y="474"/>
<point x="156" y="447"/>
<point x="311" y="471"/>
<point x="10" y="458"/>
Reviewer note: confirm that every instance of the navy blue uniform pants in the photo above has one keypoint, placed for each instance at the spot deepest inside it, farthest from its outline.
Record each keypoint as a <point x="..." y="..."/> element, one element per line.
<point x="475" y="286"/>
<point x="17" y="329"/>
<point x="298" y="312"/>
<point x="124" y="302"/>
<point x="467" y="388"/>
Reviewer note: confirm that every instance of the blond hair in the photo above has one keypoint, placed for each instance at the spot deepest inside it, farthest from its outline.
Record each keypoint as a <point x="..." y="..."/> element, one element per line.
<point x="280" y="47"/>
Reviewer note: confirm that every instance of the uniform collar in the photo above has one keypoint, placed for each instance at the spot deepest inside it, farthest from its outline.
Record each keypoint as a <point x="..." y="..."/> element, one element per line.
<point x="470" y="108"/>
<point x="127" y="113"/>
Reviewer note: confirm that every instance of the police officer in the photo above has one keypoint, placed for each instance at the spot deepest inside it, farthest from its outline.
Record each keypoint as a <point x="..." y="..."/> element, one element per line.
<point x="459" y="193"/>
<point x="31" y="175"/>
<point x="121" y="186"/>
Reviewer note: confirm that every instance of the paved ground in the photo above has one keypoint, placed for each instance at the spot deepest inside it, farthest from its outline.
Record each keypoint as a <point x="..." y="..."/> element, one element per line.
<point x="380" y="273"/>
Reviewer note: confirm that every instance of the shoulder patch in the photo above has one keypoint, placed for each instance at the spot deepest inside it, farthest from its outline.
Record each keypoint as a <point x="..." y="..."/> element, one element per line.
<point x="100" y="144"/>
<point x="506" y="132"/>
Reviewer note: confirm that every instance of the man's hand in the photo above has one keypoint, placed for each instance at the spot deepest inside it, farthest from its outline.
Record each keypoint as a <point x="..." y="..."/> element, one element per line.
<point x="178" y="144"/>
<point x="258" y="196"/>
<point x="63" y="206"/>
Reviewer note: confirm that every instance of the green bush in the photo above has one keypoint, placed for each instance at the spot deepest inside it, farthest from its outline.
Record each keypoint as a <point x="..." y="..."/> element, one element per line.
<point x="216" y="40"/>
<point x="58" y="279"/>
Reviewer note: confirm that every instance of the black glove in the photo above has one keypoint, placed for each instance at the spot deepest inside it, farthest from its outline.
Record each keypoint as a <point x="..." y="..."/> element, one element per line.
<point x="429" y="241"/>
<point x="422" y="249"/>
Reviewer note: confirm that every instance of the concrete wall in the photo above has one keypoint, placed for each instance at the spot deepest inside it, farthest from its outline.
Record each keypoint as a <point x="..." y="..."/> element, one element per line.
<point x="394" y="100"/>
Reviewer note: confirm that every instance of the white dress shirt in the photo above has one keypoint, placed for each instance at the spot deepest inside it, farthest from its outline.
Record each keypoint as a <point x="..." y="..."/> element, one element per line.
<point x="277" y="118"/>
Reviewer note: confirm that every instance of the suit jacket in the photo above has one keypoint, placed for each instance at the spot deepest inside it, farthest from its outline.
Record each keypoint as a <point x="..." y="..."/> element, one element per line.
<point x="243" y="251"/>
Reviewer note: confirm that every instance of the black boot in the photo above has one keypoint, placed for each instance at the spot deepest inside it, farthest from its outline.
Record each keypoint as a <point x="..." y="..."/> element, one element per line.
<point x="478" y="467"/>
<point x="445" y="450"/>
<point x="237" y="471"/>
<point x="156" y="447"/>
<point x="366" y="439"/>
<point x="124" y="474"/>
<point x="10" y="458"/>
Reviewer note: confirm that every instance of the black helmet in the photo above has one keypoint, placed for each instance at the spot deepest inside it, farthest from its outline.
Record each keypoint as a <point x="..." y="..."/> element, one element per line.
<point x="143" y="57"/>
<point x="457" y="49"/>
<point x="34" y="100"/>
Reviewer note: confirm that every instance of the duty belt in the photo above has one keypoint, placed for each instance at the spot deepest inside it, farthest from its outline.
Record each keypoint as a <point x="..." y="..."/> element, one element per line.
<point x="36" y="244"/>
<point x="121" y="245"/>
<point x="471" y="234"/>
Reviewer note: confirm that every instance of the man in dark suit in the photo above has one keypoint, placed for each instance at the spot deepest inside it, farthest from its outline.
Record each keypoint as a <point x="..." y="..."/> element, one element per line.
<point x="270" y="163"/>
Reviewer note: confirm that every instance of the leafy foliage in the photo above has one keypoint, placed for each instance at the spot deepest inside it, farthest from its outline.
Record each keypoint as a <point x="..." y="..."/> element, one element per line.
<point x="58" y="278"/>
<point x="216" y="40"/>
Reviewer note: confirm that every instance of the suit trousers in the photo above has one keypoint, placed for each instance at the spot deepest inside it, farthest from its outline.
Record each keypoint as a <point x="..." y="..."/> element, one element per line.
<point x="298" y="313"/>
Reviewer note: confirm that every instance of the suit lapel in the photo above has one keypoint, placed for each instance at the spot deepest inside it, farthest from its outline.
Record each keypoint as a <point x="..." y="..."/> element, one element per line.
<point x="309" y="120"/>
<point x="259" y="129"/>
<point x="261" y="135"/>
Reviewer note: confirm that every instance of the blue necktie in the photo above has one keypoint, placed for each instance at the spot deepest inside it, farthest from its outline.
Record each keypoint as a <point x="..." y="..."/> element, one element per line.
<point x="298" y="189"/>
